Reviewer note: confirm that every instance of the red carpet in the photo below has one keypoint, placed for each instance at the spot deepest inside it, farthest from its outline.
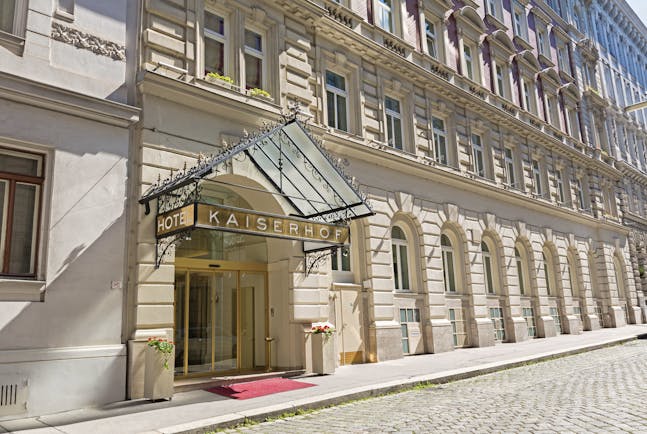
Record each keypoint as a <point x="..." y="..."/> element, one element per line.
<point x="253" y="389"/>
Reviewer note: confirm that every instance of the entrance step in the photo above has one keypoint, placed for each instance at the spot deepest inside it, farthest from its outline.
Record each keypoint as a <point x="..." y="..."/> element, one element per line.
<point x="186" y="384"/>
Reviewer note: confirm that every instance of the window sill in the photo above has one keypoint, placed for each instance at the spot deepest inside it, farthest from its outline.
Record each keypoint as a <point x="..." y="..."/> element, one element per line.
<point x="13" y="43"/>
<point x="22" y="290"/>
<point x="495" y="21"/>
<point x="522" y="40"/>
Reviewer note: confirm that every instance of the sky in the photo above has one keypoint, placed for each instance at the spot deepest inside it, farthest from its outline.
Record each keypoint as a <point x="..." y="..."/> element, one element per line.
<point x="640" y="7"/>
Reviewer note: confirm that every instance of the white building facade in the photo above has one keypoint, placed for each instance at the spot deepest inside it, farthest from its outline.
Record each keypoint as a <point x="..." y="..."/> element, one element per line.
<point x="64" y="143"/>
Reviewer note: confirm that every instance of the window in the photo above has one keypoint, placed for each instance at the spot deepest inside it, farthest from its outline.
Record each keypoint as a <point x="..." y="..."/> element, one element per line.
<point x="385" y="15"/>
<point x="572" y="278"/>
<point x="469" y="62"/>
<point x="543" y="43"/>
<point x="529" y="315"/>
<point x="21" y="179"/>
<point x="509" y="167"/>
<point x="550" y="111"/>
<point x="558" y="324"/>
<point x="440" y="141"/>
<point x="393" y="122"/>
<point x="527" y="97"/>
<point x="13" y="16"/>
<point x="573" y="129"/>
<point x="563" y="59"/>
<point x="520" y="273"/>
<point x="547" y="274"/>
<point x="487" y="268"/>
<point x="500" y="81"/>
<point x="536" y="178"/>
<point x="407" y="316"/>
<point x="496" y="315"/>
<point x="478" y="163"/>
<point x="519" y="21"/>
<point x="400" y="259"/>
<point x="340" y="259"/>
<point x="561" y="197"/>
<point x="458" y="327"/>
<point x="432" y="39"/>
<point x="214" y="43"/>
<point x="448" y="264"/>
<point x="337" y="101"/>
<point x="580" y="193"/>
<point x="494" y="9"/>
<point x="254" y="56"/>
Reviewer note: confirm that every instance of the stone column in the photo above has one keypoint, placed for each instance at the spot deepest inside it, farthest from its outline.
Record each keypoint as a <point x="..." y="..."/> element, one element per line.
<point x="481" y="330"/>
<point x="571" y="323"/>
<point x="545" y="324"/>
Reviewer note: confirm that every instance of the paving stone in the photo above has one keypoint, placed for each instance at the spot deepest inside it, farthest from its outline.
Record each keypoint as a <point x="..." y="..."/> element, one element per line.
<point x="599" y="391"/>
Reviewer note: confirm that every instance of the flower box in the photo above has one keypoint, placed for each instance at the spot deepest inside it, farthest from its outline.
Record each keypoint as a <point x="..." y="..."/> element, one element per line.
<point x="323" y="348"/>
<point x="158" y="374"/>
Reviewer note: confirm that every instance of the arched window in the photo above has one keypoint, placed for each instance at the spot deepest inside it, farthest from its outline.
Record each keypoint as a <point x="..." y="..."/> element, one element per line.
<point x="487" y="268"/>
<point x="620" y="281"/>
<point x="400" y="259"/>
<point x="520" y="271"/>
<point x="448" y="264"/>
<point x="572" y="277"/>
<point x="547" y="274"/>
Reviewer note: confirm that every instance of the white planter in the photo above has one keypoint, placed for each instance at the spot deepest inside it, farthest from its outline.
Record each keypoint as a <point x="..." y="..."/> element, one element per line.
<point x="158" y="380"/>
<point x="323" y="353"/>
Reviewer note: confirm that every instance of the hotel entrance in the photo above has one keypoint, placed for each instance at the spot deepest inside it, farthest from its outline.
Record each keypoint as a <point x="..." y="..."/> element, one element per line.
<point x="220" y="318"/>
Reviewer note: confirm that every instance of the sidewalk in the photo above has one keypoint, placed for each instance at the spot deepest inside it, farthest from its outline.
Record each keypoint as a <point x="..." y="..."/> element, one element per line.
<point x="200" y="411"/>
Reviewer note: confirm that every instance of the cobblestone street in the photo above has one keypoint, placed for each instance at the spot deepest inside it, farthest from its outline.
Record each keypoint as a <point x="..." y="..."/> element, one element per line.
<point x="599" y="391"/>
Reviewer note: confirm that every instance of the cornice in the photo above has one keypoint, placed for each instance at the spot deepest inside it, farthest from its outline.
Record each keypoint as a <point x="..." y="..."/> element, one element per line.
<point x="25" y="91"/>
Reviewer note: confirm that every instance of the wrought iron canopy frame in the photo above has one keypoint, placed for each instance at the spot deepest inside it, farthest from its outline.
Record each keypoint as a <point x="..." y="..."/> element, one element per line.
<point x="290" y="158"/>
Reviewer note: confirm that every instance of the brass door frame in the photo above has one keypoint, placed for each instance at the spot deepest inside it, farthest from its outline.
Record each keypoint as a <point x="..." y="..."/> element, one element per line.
<point x="186" y="266"/>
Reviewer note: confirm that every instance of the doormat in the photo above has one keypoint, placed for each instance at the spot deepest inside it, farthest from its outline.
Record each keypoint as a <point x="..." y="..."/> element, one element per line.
<point x="253" y="389"/>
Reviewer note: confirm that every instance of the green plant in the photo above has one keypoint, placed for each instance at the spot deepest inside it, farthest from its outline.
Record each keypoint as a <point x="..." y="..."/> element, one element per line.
<point x="225" y="78"/>
<point x="641" y="270"/>
<point x="164" y="347"/>
<point x="259" y="92"/>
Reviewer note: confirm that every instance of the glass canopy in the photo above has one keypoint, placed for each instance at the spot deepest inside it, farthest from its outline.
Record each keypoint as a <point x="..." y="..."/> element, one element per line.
<point x="292" y="160"/>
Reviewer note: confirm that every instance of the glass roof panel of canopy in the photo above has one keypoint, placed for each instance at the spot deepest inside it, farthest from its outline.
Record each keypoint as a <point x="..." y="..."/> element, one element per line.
<point x="292" y="160"/>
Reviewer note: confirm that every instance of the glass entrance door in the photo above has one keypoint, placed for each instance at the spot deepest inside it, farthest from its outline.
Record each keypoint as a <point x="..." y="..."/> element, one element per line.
<point x="220" y="321"/>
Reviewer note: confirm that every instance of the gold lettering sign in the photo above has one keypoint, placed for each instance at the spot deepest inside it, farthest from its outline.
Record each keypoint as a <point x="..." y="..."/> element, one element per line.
<point x="174" y="221"/>
<point x="242" y="220"/>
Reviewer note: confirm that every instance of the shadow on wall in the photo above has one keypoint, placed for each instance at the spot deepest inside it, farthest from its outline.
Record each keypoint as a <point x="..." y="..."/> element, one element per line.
<point x="80" y="308"/>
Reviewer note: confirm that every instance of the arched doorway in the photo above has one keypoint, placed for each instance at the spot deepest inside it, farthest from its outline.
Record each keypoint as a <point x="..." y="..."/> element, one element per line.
<point x="220" y="308"/>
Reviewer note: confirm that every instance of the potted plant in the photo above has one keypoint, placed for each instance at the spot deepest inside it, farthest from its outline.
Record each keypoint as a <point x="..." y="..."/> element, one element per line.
<point x="323" y="348"/>
<point x="223" y="80"/>
<point x="260" y="93"/>
<point x="158" y="375"/>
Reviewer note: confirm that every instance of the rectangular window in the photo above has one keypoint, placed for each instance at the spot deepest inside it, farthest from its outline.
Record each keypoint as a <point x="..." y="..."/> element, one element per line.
<point x="469" y="63"/>
<point x="408" y="315"/>
<point x="563" y="60"/>
<point x="529" y="316"/>
<point x="558" y="325"/>
<point x="496" y="315"/>
<point x="500" y="87"/>
<point x="561" y="197"/>
<point x="385" y="15"/>
<point x="440" y="141"/>
<point x="214" y="43"/>
<point x="550" y="111"/>
<point x="432" y="39"/>
<point x="393" y="122"/>
<point x="478" y="163"/>
<point x="487" y="263"/>
<point x="337" y="101"/>
<point x="458" y="327"/>
<point x="522" y="285"/>
<point x="494" y="8"/>
<point x="254" y="56"/>
<point x="448" y="269"/>
<point x="542" y="41"/>
<point x="340" y="259"/>
<point x="580" y="193"/>
<point x="519" y="23"/>
<point x="509" y="168"/>
<point x="536" y="178"/>
<point x="21" y="179"/>
<point x="527" y="98"/>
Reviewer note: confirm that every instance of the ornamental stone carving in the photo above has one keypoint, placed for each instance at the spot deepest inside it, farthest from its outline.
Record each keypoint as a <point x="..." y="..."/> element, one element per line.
<point x="89" y="42"/>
